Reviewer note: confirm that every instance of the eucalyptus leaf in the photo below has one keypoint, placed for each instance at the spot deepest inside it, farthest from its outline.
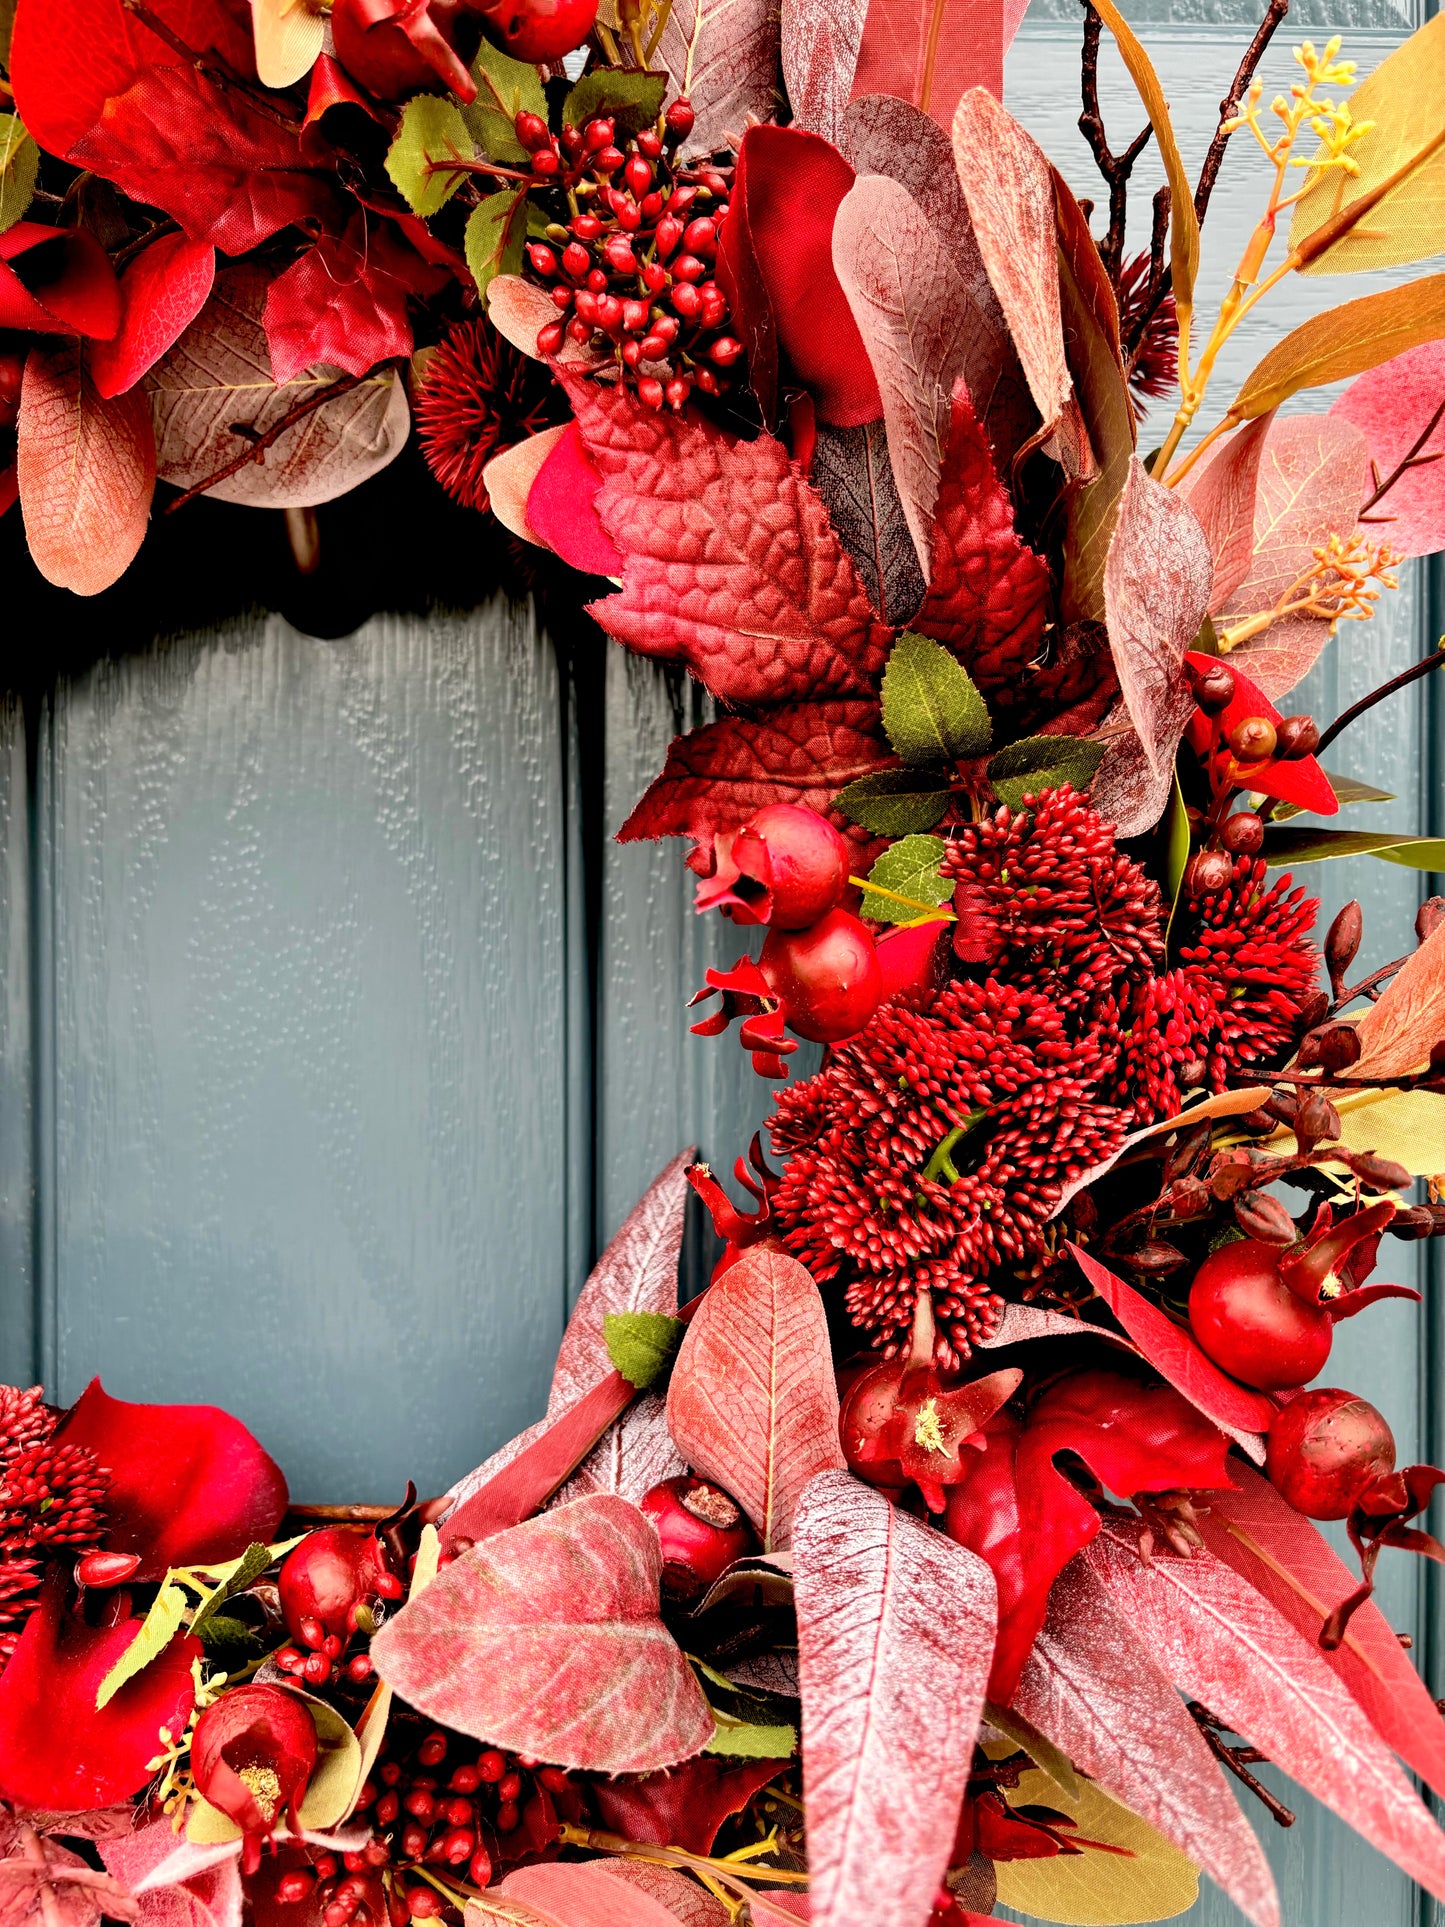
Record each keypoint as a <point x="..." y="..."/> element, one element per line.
<point x="641" y="1344"/>
<point x="1312" y="846"/>
<point x="895" y="802"/>
<point x="909" y="869"/>
<point x="496" y="230"/>
<point x="432" y="131"/>
<point x="1037" y="763"/>
<point x="159" y="1628"/>
<point x="932" y="712"/>
<point x="632" y="100"/>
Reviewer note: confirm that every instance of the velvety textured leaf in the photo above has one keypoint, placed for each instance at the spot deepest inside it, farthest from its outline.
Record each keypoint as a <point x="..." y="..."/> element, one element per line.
<point x="923" y="333"/>
<point x="1223" y="1643"/>
<point x="547" y="1640"/>
<point x="723" y="54"/>
<point x="86" y="469"/>
<point x="344" y="302"/>
<point x="753" y="1403"/>
<point x="161" y="292"/>
<point x="1222" y="495"/>
<point x="718" y="776"/>
<point x="932" y="713"/>
<point x="930" y="52"/>
<point x="1092" y="1687"/>
<point x="519" y="310"/>
<point x="1393" y="406"/>
<point x="43" y="1884"/>
<point x="731" y="565"/>
<point x="586" y="1893"/>
<point x="895" y="1637"/>
<point x="1345" y="341"/>
<point x="198" y="1895"/>
<point x="1397" y="1033"/>
<point x="684" y="1808"/>
<point x="854" y="476"/>
<point x="1156" y="588"/>
<point x="219" y="373"/>
<point x="821" y="39"/>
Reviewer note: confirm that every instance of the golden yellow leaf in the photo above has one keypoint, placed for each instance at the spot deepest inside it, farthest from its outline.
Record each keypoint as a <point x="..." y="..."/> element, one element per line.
<point x="1404" y="155"/>
<point x="1094" y="1889"/>
<point x="1408" y="1126"/>
<point x="1344" y="341"/>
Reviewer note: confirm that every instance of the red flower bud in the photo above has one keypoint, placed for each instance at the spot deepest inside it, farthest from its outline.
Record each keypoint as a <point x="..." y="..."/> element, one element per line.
<point x="679" y="119"/>
<point x="252" y="1754"/>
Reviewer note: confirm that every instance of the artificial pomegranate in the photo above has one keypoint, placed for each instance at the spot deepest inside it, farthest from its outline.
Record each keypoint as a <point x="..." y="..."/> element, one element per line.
<point x="536" y="29"/>
<point x="739" y="1230"/>
<point x="826" y="977"/>
<point x="396" y="48"/>
<point x="329" y="1578"/>
<point x="703" y="1531"/>
<point x="785" y="867"/>
<point x="1324" y="1449"/>
<point x="252" y="1755"/>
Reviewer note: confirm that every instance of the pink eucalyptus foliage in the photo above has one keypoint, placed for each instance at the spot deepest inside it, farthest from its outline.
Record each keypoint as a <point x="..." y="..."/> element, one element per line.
<point x="1397" y="406"/>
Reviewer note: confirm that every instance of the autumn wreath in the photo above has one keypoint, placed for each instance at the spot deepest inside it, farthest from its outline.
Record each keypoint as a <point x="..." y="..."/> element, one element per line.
<point x="930" y="1558"/>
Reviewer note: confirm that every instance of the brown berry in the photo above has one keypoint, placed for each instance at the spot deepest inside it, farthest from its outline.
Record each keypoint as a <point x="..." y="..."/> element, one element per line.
<point x="1243" y="833"/>
<point x="1297" y="736"/>
<point x="1253" y="739"/>
<point x="1208" y="873"/>
<point x="1214" y="689"/>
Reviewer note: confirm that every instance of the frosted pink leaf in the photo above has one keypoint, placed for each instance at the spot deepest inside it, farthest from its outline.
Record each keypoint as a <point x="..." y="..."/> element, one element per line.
<point x="1221" y="494"/>
<point x="175" y="1883"/>
<point x="683" y="1898"/>
<point x="1393" y="406"/>
<point x="589" y="1893"/>
<point x="820" y="55"/>
<point x="43" y="1884"/>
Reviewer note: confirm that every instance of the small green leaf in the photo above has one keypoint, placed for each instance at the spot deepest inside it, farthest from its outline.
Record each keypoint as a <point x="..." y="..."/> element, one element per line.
<point x="895" y="802"/>
<point x="236" y="1577"/>
<point x="222" y="1630"/>
<point x="159" y="1628"/>
<point x="1415" y="853"/>
<point x="932" y="713"/>
<point x="1038" y="763"/>
<point x="741" y="1740"/>
<point x="1176" y="856"/>
<point x="641" y="1344"/>
<point x="19" y="165"/>
<point x="629" y="98"/>
<point x="496" y="230"/>
<point x="910" y="869"/>
<point x="1347" y="789"/>
<point x="432" y="131"/>
<point x="1311" y="846"/>
<point x="505" y="88"/>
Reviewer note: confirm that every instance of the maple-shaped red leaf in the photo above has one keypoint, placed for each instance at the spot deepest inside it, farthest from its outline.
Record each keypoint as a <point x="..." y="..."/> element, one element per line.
<point x="718" y="776"/>
<point x="343" y="302"/>
<point x="547" y="1640"/>
<point x="1090" y="1686"/>
<point x="731" y="564"/>
<point x="753" y="1403"/>
<point x="101" y="89"/>
<point x="683" y="1808"/>
<point x="1287" y="1558"/>
<point x="43" y="1884"/>
<point x="1226" y="1645"/>
<point x="989" y="594"/>
<point x="895" y="1639"/>
<point x="161" y="292"/>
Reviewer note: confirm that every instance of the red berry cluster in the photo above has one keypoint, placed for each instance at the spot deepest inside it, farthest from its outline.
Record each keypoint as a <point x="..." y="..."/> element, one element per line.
<point x="52" y="1499"/>
<point x="632" y="273"/>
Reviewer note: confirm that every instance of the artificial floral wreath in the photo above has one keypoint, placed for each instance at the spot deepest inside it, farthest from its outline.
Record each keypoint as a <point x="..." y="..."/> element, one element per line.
<point x="924" y="1561"/>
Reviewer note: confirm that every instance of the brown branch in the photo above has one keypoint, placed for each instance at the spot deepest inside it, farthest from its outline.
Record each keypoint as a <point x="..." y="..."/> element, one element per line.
<point x="1115" y="168"/>
<point x="257" y="448"/>
<point x="1154" y="286"/>
<point x="1402" y="681"/>
<point x="1229" y="106"/>
<point x="1239" y="1759"/>
<point x="1411" y="459"/>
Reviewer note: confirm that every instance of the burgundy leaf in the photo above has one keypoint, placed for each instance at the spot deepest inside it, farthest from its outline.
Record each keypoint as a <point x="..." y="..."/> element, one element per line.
<point x="56" y="281"/>
<point x="930" y="52"/>
<point x="1398" y="1032"/>
<point x="547" y="1640"/>
<point x="686" y="1807"/>
<point x="683" y="1898"/>
<point x="588" y="1893"/>
<point x="1223" y="1643"/>
<point x="882" y="134"/>
<point x="731" y="565"/>
<point x="343" y="303"/>
<point x="1221" y="494"/>
<point x="175" y="1885"/>
<point x="161" y="293"/>
<point x="853" y="474"/>
<point x="723" y="54"/>
<point x="895" y="1640"/>
<point x="1393" y="406"/>
<point x="753" y="1402"/>
<point x="1092" y="1688"/>
<point x="821" y="39"/>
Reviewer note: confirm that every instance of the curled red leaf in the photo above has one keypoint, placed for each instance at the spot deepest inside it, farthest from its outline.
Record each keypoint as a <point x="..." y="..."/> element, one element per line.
<point x="161" y="292"/>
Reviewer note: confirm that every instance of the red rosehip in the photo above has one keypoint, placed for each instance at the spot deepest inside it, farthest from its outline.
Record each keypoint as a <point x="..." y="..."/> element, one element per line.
<point x="598" y="134"/>
<point x="1246" y="1318"/>
<point x="1324" y="1448"/>
<point x="536" y="29"/>
<point x="702" y="1532"/>
<point x="252" y="1754"/>
<point x="395" y="48"/>
<point x="531" y="131"/>
<point x="329" y="1576"/>
<point x="869" y="1408"/>
<point x="1243" y="833"/>
<point x="650" y="392"/>
<point x="826" y="977"/>
<point x="787" y="866"/>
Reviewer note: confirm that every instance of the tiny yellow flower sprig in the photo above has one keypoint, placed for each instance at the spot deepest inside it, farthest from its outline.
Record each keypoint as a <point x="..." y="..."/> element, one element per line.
<point x="1343" y="582"/>
<point x="1334" y="125"/>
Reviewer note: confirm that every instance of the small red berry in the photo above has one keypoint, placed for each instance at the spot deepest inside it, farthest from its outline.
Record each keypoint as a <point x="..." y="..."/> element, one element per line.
<point x="702" y="1530"/>
<point x="492" y="1765"/>
<point x="433" y="1749"/>
<point x="547" y="165"/>
<point x="508" y="1816"/>
<point x="1214" y="689"/>
<point x="638" y="174"/>
<point x="701" y="235"/>
<point x="598" y="134"/>
<point x="650" y="392"/>
<point x="687" y="301"/>
<point x="791" y="865"/>
<point x="679" y="119"/>
<point x="1208" y="873"/>
<point x="531" y="131"/>
<point x="295" y="1885"/>
<point x="480" y="1869"/>
<point x="687" y="267"/>
<point x="1246" y="1318"/>
<point x="105" y="1568"/>
<point x="1324" y="1449"/>
<point x="677" y="391"/>
<point x="725" y="351"/>
<point x="1297" y="736"/>
<point x="826" y="977"/>
<point x="607" y="161"/>
<point x="649" y="145"/>
<point x="669" y="233"/>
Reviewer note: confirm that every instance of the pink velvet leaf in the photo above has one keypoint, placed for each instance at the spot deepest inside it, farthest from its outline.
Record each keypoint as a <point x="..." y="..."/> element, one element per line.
<point x="1221" y="494"/>
<point x="174" y="1883"/>
<point x="931" y="52"/>
<point x="587" y="1893"/>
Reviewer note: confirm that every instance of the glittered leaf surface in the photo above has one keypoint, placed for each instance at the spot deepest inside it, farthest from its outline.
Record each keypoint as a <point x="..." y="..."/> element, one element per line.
<point x="585" y="1894"/>
<point x="678" y="1892"/>
<point x="820" y="41"/>
<point x="43" y="1884"/>
<point x="1393" y="407"/>
<point x="175" y="1884"/>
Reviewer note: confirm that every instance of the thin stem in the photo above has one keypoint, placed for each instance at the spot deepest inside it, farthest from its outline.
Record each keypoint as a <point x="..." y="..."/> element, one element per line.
<point x="1229" y="106"/>
<point x="255" y="450"/>
<point x="927" y="912"/>
<point x="1238" y="1760"/>
<point x="1402" y="681"/>
<point x="1412" y="459"/>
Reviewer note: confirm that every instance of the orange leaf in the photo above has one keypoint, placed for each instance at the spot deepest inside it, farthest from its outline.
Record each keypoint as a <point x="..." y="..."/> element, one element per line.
<point x="1397" y="1034"/>
<point x="1344" y="341"/>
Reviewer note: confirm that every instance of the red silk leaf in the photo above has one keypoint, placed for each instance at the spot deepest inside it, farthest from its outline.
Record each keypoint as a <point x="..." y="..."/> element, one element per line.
<point x="1296" y="780"/>
<point x="343" y="302"/>
<point x="1172" y="1352"/>
<point x="931" y="52"/>
<point x="1270" y="1534"/>
<point x="56" y="1751"/>
<point x="1091" y="1687"/>
<point x="731" y="565"/>
<point x="895" y="1637"/>
<point x="686" y="1807"/>
<point x="1221" y="494"/>
<point x="988" y="595"/>
<point x="778" y="252"/>
<point x="161" y="292"/>
<point x="562" y="507"/>
<point x="753" y="1402"/>
<point x="56" y="281"/>
<point x="546" y="1640"/>
<point x="585" y="1893"/>
<point x="1398" y="1032"/>
<point x="1223" y="1643"/>
<point x="716" y="777"/>
<point x="175" y="1884"/>
<point x="1393" y="406"/>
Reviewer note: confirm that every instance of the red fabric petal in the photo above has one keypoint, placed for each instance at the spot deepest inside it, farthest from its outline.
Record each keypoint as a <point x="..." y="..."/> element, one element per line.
<point x="56" y="1751"/>
<point x="188" y="1483"/>
<point x="57" y="281"/>
<point x="779" y="250"/>
<point x="343" y="303"/>
<point x="161" y="293"/>
<point x="683" y="1808"/>
<point x="1300" y="780"/>
<point x="562" y="508"/>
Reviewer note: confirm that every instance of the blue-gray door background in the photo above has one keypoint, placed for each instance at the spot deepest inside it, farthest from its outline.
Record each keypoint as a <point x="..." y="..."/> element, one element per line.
<point x="336" y="1034"/>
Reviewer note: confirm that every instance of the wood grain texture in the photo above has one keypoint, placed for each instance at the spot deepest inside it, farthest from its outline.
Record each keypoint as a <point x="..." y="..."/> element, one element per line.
<point x="17" y="1173"/>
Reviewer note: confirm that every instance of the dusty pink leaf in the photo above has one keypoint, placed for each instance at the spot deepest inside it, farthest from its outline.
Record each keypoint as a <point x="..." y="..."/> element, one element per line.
<point x="1397" y="1033"/>
<point x="589" y="1893"/>
<point x="820" y="56"/>
<point x="1156" y="589"/>
<point x="753" y="1402"/>
<point x="923" y="331"/>
<point x="1223" y="1643"/>
<point x="1393" y="406"/>
<point x="508" y="479"/>
<point x="176" y="1884"/>
<point x="634" y="1455"/>
<point x="930" y="52"/>
<point x="519" y="310"/>
<point x="723" y="54"/>
<point x="1221" y="494"/>
<point x="1091" y="1687"/>
<point x="161" y="293"/>
<point x="86" y="469"/>
<point x="731" y="565"/>
<point x="43" y="1884"/>
<point x="1127" y="790"/>
<point x="546" y="1640"/>
<point x="1269" y="1534"/>
<point x="882" y="134"/>
<point x="682" y="1897"/>
<point x="895" y="1640"/>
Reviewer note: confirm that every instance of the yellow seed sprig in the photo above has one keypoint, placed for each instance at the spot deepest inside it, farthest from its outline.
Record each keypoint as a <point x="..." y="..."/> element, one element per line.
<point x="1344" y="581"/>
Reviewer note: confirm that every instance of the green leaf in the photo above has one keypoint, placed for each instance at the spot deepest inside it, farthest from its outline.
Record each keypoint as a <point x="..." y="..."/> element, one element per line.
<point x="909" y="869"/>
<point x="505" y="88"/>
<point x="1415" y="853"/>
<point x="641" y="1344"/>
<point x="432" y="130"/>
<point x="1311" y="846"/>
<point x="1038" y="763"/>
<point x="236" y="1576"/>
<point x="496" y="229"/>
<point x="631" y="99"/>
<point x="159" y="1628"/>
<point x="895" y="802"/>
<point x="932" y="712"/>
<point x="222" y="1630"/>
<point x="1347" y="789"/>
<point x="19" y="164"/>
<point x="741" y="1740"/>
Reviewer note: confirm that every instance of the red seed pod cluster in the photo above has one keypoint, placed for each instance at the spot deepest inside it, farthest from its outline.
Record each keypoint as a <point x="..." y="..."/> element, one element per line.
<point x="632" y="275"/>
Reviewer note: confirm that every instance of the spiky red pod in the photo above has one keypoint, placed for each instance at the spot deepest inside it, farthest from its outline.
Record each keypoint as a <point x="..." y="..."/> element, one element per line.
<point x="24" y="1420"/>
<point x="477" y="397"/>
<point x="52" y="1495"/>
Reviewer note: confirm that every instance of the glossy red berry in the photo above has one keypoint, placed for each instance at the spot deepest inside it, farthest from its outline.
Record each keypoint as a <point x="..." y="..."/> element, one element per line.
<point x="1253" y="739"/>
<point x="536" y="29"/>
<point x="1214" y="690"/>
<point x="1246" y="1318"/>
<point x="679" y="119"/>
<point x="396" y="48"/>
<point x="826" y="977"/>
<point x="1324" y="1449"/>
<point x="702" y="1530"/>
<point x="1297" y="736"/>
<point x="531" y="131"/>
<point x="329" y="1577"/>
<point x="1243" y="833"/>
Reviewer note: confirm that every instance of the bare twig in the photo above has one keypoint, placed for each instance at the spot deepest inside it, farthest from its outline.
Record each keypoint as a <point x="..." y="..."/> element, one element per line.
<point x="1154" y="286"/>
<point x="1402" y="681"/>
<point x="256" y="448"/>
<point x="1411" y="459"/>
<point x="1115" y="168"/>
<point x="1229" y="106"/>
<point x="1239" y="1759"/>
